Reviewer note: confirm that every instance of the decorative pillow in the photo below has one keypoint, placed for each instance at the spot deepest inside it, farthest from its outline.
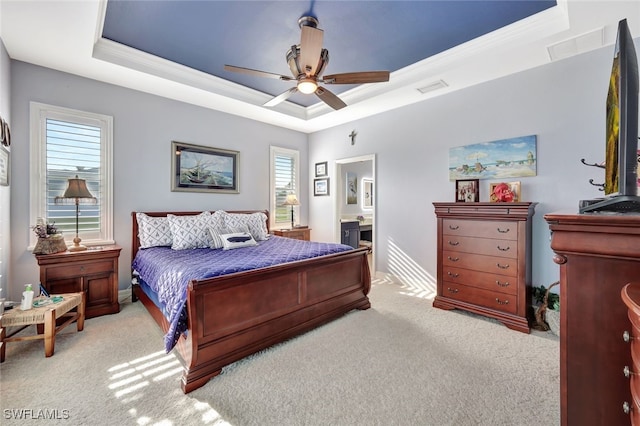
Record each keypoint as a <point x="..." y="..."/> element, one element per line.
<point x="153" y="231"/>
<point x="190" y="232"/>
<point x="255" y="222"/>
<point x="216" y="239"/>
<point x="237" y="240"/>
<point x="216" y="227"/>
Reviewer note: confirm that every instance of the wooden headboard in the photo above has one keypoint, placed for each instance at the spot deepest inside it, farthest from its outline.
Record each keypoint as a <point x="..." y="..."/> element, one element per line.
<point x="135" y="241"/>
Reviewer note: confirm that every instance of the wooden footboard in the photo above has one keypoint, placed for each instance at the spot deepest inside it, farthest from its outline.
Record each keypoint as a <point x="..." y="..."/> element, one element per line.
<point x="233" y="316"/>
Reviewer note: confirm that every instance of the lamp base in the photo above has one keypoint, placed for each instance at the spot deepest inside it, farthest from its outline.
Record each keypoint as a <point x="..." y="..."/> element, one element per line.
<point x="76" y="245"/>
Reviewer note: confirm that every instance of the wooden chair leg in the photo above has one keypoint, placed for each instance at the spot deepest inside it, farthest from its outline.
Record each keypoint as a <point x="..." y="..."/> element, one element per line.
<point x="80" y="321"/>
<point x="49" y="332"/>
<point x="2" y="343"/>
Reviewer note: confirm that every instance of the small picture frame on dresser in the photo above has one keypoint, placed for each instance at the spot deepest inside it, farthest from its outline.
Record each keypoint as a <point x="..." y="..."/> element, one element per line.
<point x="467" y="190"/>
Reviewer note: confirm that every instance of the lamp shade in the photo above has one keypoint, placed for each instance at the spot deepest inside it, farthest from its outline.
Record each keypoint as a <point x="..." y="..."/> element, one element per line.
<point x="291" y="200"/>
<point x="77" y="189"/>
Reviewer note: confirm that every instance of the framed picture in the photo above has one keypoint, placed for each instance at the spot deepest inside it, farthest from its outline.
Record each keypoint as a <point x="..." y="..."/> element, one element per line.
<point x="367" y="193"/>
<point x="352" y="188"/>
<point x="321" y="169"/>
<point x="196" y="168"/>
<point x="321" y="186"/>
<point x="467" y="190"/>
<point x="505" y="192"/>
<point x="4" y="166"/>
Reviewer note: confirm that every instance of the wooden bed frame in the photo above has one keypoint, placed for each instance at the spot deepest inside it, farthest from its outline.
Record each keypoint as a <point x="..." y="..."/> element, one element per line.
<point x="235" y="315"/>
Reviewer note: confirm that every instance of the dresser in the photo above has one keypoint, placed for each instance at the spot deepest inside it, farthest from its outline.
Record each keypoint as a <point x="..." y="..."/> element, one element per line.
<point x="93" y="271"/>
<point x="598" y="254"/>
<point x="631" y="297"/>
<point x="484" y="260"/>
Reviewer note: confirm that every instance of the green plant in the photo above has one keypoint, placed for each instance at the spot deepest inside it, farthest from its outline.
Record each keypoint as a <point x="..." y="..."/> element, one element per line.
<point x="553" y="301"/>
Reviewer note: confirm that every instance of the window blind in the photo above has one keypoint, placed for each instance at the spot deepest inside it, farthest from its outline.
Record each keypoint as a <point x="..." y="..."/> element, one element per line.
<point x="73" y="149"/>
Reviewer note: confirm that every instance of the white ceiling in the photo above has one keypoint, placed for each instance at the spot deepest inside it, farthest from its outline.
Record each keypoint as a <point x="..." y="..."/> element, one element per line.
<point x="65" y="35"/>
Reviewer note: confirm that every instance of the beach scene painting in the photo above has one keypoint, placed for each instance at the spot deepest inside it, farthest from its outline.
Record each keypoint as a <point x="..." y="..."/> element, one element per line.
<point x="507" y="158"/>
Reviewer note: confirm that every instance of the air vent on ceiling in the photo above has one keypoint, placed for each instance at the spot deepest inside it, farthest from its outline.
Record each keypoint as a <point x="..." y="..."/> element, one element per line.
<point x="436" y="85"/>
<point x="580" y="44"/>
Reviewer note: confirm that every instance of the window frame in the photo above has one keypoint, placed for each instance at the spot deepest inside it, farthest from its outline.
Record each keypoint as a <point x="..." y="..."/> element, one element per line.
<point x="273" y="152"/>
<point x="38" y="115"/>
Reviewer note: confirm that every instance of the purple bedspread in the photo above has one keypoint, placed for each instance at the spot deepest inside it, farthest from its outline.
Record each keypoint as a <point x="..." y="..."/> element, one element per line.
<point x="168" y="272"/>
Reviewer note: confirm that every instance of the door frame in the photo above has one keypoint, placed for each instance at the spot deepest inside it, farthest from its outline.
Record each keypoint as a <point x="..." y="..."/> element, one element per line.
<point x="340" y="183"/>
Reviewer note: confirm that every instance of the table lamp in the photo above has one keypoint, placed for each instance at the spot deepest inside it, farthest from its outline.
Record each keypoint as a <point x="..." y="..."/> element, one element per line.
<point x="291" y="200"/>
<point x="76" y="193"/>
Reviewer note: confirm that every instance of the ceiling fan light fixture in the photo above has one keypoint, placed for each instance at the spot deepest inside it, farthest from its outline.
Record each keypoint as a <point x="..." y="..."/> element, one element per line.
<point x="307" y="86"/>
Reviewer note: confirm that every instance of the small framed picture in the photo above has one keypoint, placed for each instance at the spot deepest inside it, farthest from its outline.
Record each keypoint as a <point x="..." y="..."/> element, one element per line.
<point x="468" y="190"/>
<point x="321" y="169"/>
<point x="505" y="192"/>
<point x="321" y="186"/>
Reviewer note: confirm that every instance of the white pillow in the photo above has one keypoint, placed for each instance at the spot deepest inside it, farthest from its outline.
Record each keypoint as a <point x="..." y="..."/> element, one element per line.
<point x="216" y="227"/>
<point x="190" y="232"/>
<point x="237" y="240"/>
<point x="153" y="231"/>
<point x="255" y="222"/>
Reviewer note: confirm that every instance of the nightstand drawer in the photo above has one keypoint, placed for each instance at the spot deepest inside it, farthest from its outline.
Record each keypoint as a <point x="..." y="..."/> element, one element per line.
<point x="81" y="269"/>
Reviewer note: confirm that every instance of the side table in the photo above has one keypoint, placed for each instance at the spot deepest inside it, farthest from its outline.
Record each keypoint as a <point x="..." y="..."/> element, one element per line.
<point x="93" y="271"/>
<point x="44" y="315"/>
<point x="295" y="233"/>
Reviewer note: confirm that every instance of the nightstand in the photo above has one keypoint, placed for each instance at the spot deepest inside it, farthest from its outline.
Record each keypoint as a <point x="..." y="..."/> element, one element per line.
<point x="295" y="233"/>
<point x="93" y="271"/>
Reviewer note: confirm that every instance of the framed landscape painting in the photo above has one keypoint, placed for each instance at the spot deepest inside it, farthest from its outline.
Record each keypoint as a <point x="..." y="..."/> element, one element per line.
<point x="196" y="168"/>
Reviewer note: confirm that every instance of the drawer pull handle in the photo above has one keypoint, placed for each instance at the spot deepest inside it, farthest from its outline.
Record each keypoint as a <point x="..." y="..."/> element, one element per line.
<point x="502" y="231"/>
<point x="627" y="371"/>
<point x="502" y="302"/>
<point x="453" y="243"/>
<point x="453" y="228"/>
<point x="451" y="274"/>
<point x="502" y="284"/>
<point x="626" y="408"/>
<point x="502" y="266"/>
<point x="503" y="249"/>
<point x="452" y="290"/>
<point x="627" y="337"/>
<point x="453" y="259"/>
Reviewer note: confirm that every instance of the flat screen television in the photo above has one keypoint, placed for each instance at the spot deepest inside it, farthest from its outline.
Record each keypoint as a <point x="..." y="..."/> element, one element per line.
<point x="621" y="161"/>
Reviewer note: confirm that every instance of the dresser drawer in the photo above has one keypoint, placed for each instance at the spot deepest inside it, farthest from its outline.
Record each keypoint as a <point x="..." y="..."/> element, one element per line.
<point x="477" y="296"/>
<point x="488" y="246"/>
<point x="481" y="263"/>
<point x="78" y="269"/>
<point x="484" y="280"/>
<point x="503" y="230"/>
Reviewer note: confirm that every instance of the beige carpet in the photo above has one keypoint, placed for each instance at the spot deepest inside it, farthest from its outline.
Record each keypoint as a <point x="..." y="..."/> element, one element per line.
<point x="401" y="362"/>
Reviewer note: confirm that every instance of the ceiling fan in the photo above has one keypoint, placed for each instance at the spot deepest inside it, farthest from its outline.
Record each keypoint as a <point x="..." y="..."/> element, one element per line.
<point x="307" y="61"/>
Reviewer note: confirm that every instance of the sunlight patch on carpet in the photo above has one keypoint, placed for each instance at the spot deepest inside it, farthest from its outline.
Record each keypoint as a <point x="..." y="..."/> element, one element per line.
<point x="415" y="280"/>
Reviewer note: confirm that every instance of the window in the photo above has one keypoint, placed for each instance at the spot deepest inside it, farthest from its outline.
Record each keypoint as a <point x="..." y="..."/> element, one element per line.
<point x="67" y="143"/>
<point x="284" y="181"/>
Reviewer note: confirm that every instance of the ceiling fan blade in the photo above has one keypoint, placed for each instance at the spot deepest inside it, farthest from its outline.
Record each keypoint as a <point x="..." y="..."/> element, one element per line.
<point x="357" y="77"/>
<point x="281" y="97"/>
<point x="310" y="49"/>
<point x="249" y="71"/>
<point x="329" y="98"/>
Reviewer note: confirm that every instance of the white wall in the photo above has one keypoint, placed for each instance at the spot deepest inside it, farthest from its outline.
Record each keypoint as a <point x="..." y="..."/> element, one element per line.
<point x="5" y="198"/>
<point x="563" y="103"/>
<point x="144" y="126"/>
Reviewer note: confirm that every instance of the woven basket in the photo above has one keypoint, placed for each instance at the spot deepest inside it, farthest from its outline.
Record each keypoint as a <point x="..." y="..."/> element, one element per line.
<point x="49" y="245"/>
